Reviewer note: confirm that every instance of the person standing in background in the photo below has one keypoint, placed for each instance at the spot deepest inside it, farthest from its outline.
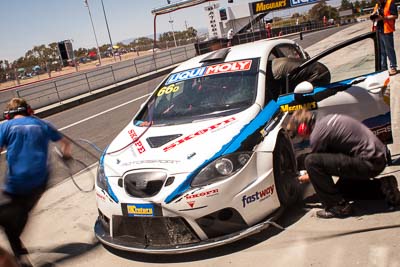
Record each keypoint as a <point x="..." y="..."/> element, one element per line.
<point x="229" y="36"/>
<point x="384" y="17"/>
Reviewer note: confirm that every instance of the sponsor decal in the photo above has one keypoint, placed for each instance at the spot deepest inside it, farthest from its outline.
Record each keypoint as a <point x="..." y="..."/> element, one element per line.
<point x="292" y="108"/>
<point x="258" y="196"/>
<point x="242" y="65"/>
<point x="209" y="193"/>
<point x="382" y="129"/>
<point x="140" y="210"/>
<point x="191" y="155"/>
<point x="301" y="2"/>
<point x="100" y="196"/>
<point x="138" y="144"/>
<point x="191" y="204"/>
<point x="160" y="161"/>
<point x="167" y="90"/>
<point x="265" y="6"/>
<point x="212" y="128"/>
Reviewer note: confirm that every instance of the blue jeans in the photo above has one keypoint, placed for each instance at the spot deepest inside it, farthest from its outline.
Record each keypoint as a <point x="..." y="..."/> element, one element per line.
<point x="386" y="43"/>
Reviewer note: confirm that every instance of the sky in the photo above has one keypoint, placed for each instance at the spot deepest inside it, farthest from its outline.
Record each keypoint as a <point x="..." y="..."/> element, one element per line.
<point x="29" y="23"/>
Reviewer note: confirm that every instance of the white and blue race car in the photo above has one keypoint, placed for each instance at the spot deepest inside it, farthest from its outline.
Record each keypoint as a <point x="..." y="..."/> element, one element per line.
<point x="207" y="160"/>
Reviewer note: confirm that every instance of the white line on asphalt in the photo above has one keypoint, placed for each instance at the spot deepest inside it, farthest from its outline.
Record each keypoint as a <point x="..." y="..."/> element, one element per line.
<point x="98" y="114"/>
<point x="101" y="113"/>
<point x="308" y="34"/>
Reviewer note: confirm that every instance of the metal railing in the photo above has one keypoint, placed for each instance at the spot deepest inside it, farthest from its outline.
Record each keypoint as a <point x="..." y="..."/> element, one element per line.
<point x="57" y="90"/>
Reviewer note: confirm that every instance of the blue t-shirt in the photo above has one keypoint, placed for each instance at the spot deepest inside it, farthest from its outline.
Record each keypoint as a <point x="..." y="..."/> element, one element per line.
<point x="26" y="140"/>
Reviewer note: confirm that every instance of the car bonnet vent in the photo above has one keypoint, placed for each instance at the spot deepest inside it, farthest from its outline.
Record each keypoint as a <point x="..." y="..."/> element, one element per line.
<point x="158" y="141"/>
<point x="218" y="55"/>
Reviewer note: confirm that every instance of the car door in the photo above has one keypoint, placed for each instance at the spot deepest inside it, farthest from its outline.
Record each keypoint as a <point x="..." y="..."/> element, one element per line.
<point x="357" y="60"/>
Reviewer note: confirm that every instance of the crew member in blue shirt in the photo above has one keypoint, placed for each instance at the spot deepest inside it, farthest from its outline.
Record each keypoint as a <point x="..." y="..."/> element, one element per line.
<point x="26" y="139"/>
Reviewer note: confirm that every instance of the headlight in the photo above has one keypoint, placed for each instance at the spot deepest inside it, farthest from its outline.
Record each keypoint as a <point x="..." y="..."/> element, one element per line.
<point x="221" y="168"/>
<point x="101" y="179"/>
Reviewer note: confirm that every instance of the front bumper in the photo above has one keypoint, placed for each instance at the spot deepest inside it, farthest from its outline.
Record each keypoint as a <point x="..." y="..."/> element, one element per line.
<point x="166" y="235"/>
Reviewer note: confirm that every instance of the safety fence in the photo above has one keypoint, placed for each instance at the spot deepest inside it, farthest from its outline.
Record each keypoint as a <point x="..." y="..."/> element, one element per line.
<point x="59" y="89"/>
<point x="255" y="35"/>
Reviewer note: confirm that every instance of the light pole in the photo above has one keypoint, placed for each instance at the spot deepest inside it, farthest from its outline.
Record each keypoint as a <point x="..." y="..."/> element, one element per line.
<point x="109" y="35"/>
<point x="95" y="37"/>
<point x="172" y="26"/>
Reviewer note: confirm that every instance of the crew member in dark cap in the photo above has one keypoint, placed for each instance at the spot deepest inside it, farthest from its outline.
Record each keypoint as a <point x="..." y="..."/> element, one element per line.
<point x="344" y="147"/>
<point x="26" y="139"/>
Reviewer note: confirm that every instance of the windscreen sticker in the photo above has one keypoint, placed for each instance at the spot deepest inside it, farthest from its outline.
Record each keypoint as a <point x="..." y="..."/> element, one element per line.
<point x="234" y="66"/>
<point x="168" y="89"/>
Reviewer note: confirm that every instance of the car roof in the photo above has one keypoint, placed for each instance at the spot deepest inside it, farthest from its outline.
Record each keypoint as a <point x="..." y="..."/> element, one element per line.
<point x="256" y="49"/>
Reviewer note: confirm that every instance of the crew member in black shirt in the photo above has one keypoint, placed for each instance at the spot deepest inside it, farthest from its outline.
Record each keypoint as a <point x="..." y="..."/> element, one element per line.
<point x="344" y="147"/>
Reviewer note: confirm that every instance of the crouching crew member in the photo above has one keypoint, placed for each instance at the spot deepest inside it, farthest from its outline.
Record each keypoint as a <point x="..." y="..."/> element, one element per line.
<point x="344" y="147"/>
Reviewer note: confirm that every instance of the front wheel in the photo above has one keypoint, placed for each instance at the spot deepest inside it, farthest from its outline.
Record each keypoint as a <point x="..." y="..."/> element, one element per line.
<point x="285" y="171"/>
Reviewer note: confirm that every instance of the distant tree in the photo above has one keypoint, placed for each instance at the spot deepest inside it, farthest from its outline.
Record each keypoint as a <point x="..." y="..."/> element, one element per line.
<point x="141" y="43"/>
<point x="81" y="52"/>
<point x="318" y="11"/>
<point x="346" y="4"/>
<point x="364" y="3"/>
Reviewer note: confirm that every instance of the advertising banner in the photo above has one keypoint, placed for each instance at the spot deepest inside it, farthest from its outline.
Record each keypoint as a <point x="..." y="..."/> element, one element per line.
<point x="271" y="5"/>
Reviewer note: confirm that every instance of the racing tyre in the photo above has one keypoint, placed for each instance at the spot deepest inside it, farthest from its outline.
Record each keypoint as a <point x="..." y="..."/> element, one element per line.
<point x="285" y="172"/>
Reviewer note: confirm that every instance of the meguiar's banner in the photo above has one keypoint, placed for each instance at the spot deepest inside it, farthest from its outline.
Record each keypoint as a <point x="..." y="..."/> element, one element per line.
<point x="270" y="5"/>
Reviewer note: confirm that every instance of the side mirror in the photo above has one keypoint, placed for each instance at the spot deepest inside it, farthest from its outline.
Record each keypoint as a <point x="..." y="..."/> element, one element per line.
<point x="304" y="88"/>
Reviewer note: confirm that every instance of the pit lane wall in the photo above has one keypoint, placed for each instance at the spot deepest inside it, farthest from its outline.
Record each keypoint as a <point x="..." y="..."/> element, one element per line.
<point x="58" y="90"/>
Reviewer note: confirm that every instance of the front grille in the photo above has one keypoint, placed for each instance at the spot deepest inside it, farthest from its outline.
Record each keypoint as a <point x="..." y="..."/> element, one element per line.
<point x="144" y="184"/>
<point x="153" y="231"/>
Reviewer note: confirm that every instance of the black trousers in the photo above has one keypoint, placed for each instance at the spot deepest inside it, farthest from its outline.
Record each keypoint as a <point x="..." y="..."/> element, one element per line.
<point x="322" y="166"/>
<point x="14" y="212"/>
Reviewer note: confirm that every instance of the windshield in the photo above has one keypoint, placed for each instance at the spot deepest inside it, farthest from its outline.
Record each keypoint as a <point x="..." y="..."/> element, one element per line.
<point x="201" y="93"/>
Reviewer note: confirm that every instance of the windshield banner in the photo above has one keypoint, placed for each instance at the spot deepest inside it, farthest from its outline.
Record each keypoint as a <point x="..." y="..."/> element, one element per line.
<point x="242" y="65"/>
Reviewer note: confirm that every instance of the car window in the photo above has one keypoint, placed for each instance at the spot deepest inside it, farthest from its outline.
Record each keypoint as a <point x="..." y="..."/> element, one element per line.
<point x="289" y="50"/>
<point x="205" y="92"/>
<point x="361" y="62"/>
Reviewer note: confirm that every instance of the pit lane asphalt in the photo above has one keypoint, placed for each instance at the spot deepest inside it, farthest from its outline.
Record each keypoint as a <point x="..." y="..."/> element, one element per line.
<point x="61" y="227"/>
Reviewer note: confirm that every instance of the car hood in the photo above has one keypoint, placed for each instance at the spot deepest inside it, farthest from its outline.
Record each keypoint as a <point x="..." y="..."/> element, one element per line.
<point x="177" y="148"/>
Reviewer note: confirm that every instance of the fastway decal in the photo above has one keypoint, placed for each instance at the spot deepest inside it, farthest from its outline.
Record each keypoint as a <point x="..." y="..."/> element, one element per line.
<point x="266" y="193"/>
<point x="209" y="70"/>
<point x="198" y="133"/>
